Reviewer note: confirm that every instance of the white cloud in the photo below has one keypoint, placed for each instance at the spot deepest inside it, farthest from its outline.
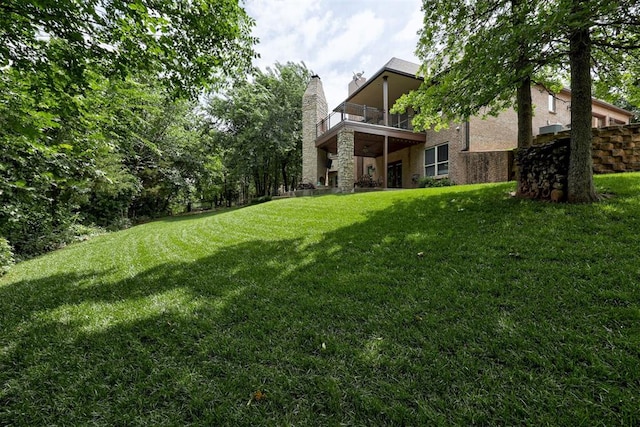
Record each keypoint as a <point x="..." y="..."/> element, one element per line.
<point x="285" y="13"/>
<point x="410" y="30"/>
<point x="352" y="37"/>
<point x="335" y="38"/>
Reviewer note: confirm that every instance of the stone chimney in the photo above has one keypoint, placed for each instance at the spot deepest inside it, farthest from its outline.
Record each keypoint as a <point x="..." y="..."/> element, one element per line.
<point x="314" y="109"/>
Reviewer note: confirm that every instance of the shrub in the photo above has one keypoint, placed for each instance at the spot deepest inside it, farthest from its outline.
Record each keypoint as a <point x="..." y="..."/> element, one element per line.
<point x="366" y="181"/>
<point x="259" y="200"/>
<point x="428" y="182"/>
<point x="119" y="223"/>
<point x="80" y="232"/>
<point x="6" y="256"/>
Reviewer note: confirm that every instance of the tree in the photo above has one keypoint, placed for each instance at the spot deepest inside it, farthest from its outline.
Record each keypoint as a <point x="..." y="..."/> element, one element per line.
<point x="609" y="31"/>
<point x="191" y="44"/>
<point x="262" y="121"/>
<point x="624" y="91"/>
<point x="478" y="53"/>
<point x="475" y="55"/>
<point x="140" y="153"/>
<point x="156" y="159"/>
<point x="580" y="177"/>
<point x="66" y="156"/>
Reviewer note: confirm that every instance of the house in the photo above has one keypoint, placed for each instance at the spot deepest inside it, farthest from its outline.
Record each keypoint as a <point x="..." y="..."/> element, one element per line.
<point x="360" y="138"/>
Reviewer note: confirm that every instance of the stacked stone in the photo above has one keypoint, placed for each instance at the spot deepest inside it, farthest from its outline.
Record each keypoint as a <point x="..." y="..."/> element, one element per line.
<point x="543" y="170"/>
<point x="616" y="149"/>
<point x="345" y="160"/>
<point x="314" y="109"/>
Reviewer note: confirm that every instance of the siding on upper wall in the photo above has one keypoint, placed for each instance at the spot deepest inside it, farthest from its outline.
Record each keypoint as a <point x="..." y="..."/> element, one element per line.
<point x="501" y="132"/>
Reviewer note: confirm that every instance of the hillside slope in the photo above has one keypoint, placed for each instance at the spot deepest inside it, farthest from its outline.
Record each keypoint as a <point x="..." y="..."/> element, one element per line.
<point x="444" y="306"/>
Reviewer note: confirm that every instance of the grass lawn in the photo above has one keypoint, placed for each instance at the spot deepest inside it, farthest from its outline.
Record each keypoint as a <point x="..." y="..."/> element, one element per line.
<point x="319" y="311"/>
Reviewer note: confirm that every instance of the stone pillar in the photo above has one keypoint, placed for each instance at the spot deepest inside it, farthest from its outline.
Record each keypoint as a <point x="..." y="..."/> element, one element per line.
<point x="314" y="109"/>
<point x="345" y="160"/>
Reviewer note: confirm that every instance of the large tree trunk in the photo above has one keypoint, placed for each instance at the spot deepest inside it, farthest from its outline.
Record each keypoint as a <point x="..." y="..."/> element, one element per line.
<point x="525" y="113"/>
<point x="524" y="104"/>
<point x="580" y="179"/>
<point x="525" y="119"/>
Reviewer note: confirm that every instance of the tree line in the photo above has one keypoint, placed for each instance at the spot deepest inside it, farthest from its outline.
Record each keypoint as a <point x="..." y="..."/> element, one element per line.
<point x="104" y="118"/>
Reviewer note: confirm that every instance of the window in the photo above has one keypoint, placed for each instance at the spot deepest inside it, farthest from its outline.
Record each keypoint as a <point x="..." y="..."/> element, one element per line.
<point x="552" y="103"/>
<point x="436" y="160"/>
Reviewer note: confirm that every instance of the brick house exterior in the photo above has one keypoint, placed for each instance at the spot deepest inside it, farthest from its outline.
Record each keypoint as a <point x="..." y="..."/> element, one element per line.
<point x="359" y="138"/>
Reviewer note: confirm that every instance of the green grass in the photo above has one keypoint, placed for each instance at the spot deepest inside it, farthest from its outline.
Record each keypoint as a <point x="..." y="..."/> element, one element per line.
<point x="518" y="313"/>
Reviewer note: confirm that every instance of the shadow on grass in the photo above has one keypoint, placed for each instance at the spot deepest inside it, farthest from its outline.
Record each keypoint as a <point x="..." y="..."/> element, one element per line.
<point x="468" y="307"/>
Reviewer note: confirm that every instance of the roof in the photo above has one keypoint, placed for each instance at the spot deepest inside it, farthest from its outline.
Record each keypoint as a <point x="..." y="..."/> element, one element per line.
<point x="407" y="79"/>
<point x="403" y="78"/>
<point x="401" y="66"/>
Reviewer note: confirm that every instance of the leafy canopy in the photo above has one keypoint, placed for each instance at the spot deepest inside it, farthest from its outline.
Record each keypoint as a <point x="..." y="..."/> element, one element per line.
<point x="189" y="43"/>
<point x="260" y="126"/>
<point x="475" y="54"/>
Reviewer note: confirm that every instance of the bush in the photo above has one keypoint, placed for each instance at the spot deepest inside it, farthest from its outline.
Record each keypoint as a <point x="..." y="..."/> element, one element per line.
<point x="366" y="181"/>
<point x="6" y="256"/>
<point x="259" y="200"/>
<point x="36" y="230"/>
<point x="428" y="182"/>
<point x="81" y="232"/>
<point x="119" y="223"/>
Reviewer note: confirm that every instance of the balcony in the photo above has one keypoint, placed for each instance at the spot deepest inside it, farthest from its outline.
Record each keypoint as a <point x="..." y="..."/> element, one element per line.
<point x="361" y="114"/>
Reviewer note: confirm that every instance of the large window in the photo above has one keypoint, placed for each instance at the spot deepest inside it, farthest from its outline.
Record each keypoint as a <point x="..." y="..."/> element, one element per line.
<point x="436" y="160"/>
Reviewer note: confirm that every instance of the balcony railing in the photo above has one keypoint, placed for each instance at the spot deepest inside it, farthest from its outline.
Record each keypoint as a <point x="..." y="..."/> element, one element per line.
<point x="362" y="114"/>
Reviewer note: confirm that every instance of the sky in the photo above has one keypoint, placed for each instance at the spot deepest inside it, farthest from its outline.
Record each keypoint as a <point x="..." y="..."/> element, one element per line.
<point x="335" y="38"/>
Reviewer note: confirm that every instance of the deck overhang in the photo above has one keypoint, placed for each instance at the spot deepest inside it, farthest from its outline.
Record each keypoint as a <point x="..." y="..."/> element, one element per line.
<point x="369" y="139"/>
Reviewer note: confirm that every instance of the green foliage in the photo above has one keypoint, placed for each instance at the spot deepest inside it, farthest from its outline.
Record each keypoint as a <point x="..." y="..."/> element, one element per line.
<point x="126" y="149"/>
<point x="189" y="44"/>
<point x="259" y="128"/>
<point x="444" y="306"/>
<point x="259" y="200"/>
<point x="428" y="182"/>
<point x="6" y="256"/>
<point x="622" y="89"/>
<point x="466" y="72"/>
<point x="94" y="122"/>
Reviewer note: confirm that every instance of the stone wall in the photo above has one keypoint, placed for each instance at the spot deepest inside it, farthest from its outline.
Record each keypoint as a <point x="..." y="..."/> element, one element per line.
<point x="615" y="148"/>
<point x="346" y="165"/>
<point x="544" y="166"/>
